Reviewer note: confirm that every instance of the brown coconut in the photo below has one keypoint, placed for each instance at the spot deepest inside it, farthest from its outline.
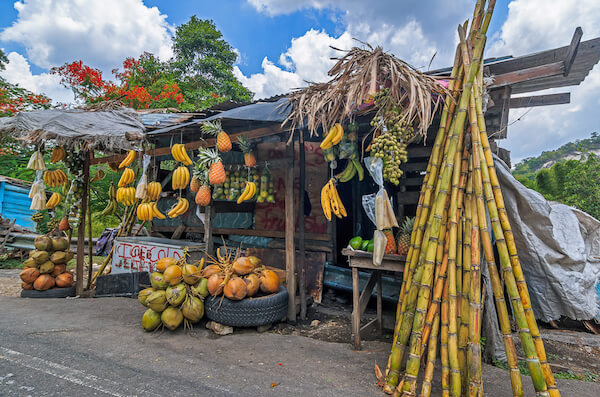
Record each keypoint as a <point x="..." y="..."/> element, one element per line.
<point x="256" y="261"/>
<point x="58" y="269"/>
<point x="29" y="275"/>
<point x="242" y="266"/>
<point x="210" y="270"/>
<point x="269" y="282"/>
<point x="44" y="282"/>
<point x="27" y="286"/>
<point x="235" y="289"/>
<point x="215" y="284"/>
<point x="64" y="280"/>
<point x="252" y="284"/>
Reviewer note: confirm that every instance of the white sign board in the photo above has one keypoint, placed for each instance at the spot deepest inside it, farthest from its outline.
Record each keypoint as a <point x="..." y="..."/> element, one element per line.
<point x="140" y="256"/>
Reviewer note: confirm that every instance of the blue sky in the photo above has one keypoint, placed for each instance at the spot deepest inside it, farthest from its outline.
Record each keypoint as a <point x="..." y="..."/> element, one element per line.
<point x="283" y="43"/>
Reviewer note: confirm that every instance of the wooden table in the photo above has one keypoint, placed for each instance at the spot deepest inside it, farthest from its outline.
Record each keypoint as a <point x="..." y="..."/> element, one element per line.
<point x="364" y="260"/>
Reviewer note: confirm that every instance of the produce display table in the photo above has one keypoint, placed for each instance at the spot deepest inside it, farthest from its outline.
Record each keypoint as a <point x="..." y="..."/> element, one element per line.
<point x="364" y="260"/>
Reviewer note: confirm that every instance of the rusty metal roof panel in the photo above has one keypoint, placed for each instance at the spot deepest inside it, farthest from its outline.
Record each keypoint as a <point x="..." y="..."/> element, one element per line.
<point x="162" y="120"/>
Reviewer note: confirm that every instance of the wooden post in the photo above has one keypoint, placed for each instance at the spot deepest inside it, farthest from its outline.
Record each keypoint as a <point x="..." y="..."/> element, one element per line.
<point x="301" y="242"/>
<point x="90" y="245"/>
<point x="379" y="303"/>
<point x="81" y="227"/>
<point x="209" y="213"/>
<point x="355" y="309"/>
<point x="290" y="249"/>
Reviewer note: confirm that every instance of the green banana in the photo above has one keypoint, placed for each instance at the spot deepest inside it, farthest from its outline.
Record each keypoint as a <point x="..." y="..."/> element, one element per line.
<point x="110" y="208"/>
<point x="348" y="172"/>
<point x="359" y="169"/>
<point x="112" y="192"/>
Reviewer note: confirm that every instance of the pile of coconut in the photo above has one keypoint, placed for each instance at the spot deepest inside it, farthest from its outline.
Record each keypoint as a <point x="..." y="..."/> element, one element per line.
<point x="46" y="266"/>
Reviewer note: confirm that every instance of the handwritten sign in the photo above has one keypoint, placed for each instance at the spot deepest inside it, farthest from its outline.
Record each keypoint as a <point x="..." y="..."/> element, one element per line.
<point x="140" y="257"/>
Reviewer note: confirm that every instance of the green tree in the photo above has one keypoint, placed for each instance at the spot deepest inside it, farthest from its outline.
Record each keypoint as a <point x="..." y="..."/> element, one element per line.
<point x="203" y="62"/>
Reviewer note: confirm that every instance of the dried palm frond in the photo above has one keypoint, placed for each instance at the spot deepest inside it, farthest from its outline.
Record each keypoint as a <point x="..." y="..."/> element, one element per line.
<point x="356" y="77"/>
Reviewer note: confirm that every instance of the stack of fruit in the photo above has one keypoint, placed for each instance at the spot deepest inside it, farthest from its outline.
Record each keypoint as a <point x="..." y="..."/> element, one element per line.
<point x="398" y="246"/>
<point x="267" y="188"/>
<point x="46" y="266"/>
<point x="176" y="296"/>
<point x="238" y="277"/>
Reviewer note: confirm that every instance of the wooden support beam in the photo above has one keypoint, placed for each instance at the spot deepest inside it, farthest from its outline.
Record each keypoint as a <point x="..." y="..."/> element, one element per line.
<point x="290" y="227"/>
<point x="252" y="134"/>
<point x="502" y="132"/>
<point x="550" y="69"/>
<point x="540" y="100"/>
<point x="301" y="242"/>
<point x="572" y="50"/>
<point x="365" y="295"/>
<point x="209" y="214"/>
<point x="246" y="232"/>
<point x="81" y="227"/>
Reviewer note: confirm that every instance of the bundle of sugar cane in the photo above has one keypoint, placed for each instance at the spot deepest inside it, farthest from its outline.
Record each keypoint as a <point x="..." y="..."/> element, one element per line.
<point x="441" y="295"/>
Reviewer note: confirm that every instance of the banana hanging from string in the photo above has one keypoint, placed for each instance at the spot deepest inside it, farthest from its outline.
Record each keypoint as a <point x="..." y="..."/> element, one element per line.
<point x="127" y="177"/>
<point x="248" y="193"/>
<point x="112" y="205"/>
<point x="333" y="137"/>
<point x="353" y="167"/>
<point x="58" y="154"/>
<point x="128" y="160"/>
<point x="180" y="208"/>
<point x="53" y="201"/>
<point x="180" y="154"/>
<point x="180" y="178"/>
<point x="331" y="202"/>
<point x="55" y="178"/>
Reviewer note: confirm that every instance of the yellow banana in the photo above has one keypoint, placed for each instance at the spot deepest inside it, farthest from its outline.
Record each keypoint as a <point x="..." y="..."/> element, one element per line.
<point x="186" y="206"/>
<point x="54" y="200"/>
<point x="128" y="159"/>
<point x="245" y="194"/>
<point x="175" y="152"/>
<point x="175" y="209"/>
<point x="337" y="199"/>
<point x="325" y="203"/>
<point x="335" y="208"/>
<point x="326" y="144"/>
<point x="185" y="158"/>
<point x="154" y="190"/>
<point x="339" y="134"/>
<point x="155" y="212"/>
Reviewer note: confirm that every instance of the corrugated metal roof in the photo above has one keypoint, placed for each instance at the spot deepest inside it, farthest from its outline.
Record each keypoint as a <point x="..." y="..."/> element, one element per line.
<point x="14" y="204"/>
<point x="162" y="120"/>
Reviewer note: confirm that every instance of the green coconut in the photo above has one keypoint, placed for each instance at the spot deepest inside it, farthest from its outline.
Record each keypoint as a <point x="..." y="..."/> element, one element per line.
<point x="171" y="317"/>
<point x="150" y="320"/>
<point x="43" y="243"/>
<point x="193" y="309"/>
<point x="30" y="262"/>
<point x="40" y="257"/>
<point x="200" y="289"/>
<point x="157" y="301"/>
<point x="59" y="257"/>
<point x="158" y="281"/>
<point x="60" y="244"/>
<point x="143" y="295"/>
<point x="176" y="294"/>
<point x="46" y="267"/>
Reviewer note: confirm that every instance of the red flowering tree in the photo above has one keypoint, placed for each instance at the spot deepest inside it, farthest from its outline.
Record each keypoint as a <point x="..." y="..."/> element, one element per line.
<point x="14" y="99"/>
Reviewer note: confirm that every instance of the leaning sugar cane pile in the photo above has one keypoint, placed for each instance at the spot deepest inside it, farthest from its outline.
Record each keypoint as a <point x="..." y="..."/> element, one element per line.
<point x="441" y="295"/>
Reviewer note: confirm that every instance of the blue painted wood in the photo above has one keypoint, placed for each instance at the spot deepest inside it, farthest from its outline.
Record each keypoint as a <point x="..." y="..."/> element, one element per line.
<point x="15" y="203"/>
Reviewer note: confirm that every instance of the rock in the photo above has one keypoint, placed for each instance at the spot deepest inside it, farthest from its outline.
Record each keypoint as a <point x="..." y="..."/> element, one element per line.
<point x="219" y="329"/>
<point x="263" y="328"/>
<point x="315" y="323"/>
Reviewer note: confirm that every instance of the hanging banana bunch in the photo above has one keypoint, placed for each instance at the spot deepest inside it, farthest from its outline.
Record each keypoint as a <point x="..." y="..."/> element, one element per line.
<point x="333" y="137"/>
<point x="126" y="195"/>
<point x="153" y="191"/>
<point x="331" y="202"/>
<point x="111" y="207"/>
<point x="248" y="193"/>
<point x="180" y="154"/>
<point x="179" y="208"/>
<point x="155" y="212"/>
<point x="181" y="178"/>
<point x="149" y="210"/>
<point x="53" y="201"/>
<point x="58" y="154"/>
<point x="353" y="168"/>
<point x="127" y="177"/>
<point x="128" y="160"/>
<point x="55" y="178"/>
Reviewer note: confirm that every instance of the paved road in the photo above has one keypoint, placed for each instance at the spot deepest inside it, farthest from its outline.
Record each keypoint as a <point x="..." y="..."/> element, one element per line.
<point x="96" y="347"/>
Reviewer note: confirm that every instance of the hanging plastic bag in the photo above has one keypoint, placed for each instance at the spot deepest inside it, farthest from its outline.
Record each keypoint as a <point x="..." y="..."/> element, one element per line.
<point x="378" y="205"/>
<point x="37" y="193"/>
<point x="379" y="243"/>
<point x="142" y="186"/>
<point x="36" y="161"/>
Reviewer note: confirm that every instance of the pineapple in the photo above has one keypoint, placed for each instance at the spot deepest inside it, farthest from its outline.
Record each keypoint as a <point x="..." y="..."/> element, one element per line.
<point x="404" y="235"/>
<point x="246" y="148"/>
<point x="209" y="158"/>
<point x="390" y="246"/>
<point x="214" y="128"/>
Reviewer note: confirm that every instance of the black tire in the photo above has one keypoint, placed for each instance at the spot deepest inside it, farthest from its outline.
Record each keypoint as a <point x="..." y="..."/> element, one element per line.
<point x="250" y="312"/>
<point x="50" y="293"/>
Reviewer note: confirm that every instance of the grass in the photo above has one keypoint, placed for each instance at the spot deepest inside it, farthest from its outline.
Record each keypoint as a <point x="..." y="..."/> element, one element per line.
<point x="6" y="263"/>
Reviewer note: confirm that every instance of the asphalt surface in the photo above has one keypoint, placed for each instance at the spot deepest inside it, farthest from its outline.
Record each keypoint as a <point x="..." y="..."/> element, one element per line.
<point x="96" y="347"/>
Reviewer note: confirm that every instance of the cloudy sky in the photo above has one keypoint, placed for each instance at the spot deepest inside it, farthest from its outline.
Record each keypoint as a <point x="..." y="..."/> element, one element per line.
<point x="283" y="43"/>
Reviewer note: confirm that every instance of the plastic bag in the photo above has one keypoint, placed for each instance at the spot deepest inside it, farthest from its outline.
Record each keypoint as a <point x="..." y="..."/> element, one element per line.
<point x="37" y="193"/>
<point x="142" y="186"/>
<point x="378" y="206"/>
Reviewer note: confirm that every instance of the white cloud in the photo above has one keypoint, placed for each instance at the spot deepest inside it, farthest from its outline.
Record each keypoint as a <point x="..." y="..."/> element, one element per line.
<point x="412" y="30"/>
<point x="537" y="25"/>
<point x="18" y="72"/>
<point x="101" y="33"/>
<point x="307" y="59"/>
